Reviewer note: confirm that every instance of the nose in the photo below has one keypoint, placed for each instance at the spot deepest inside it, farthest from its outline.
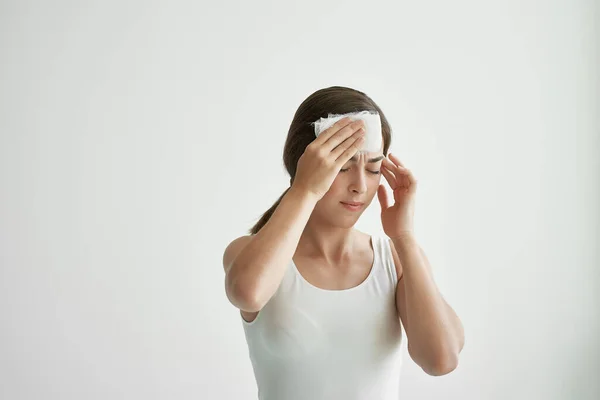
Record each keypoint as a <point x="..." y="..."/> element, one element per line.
<point x="359" y="182"/>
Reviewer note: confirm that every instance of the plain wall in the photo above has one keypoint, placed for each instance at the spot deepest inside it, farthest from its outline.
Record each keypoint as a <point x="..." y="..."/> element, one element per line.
<point x="139" y="138"/>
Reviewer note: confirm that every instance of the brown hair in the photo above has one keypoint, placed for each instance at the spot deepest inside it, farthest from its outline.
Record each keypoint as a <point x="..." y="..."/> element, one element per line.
<point x="331" y="100"/>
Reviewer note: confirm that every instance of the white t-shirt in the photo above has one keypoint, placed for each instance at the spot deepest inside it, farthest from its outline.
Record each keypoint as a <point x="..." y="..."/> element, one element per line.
<point x="309" y="343"/>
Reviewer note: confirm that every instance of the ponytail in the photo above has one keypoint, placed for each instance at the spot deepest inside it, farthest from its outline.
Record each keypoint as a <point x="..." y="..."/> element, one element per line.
<point x="267" y="215"/>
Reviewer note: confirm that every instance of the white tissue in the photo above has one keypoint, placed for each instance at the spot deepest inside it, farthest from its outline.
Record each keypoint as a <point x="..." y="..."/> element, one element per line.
<point x="372" y="127"/>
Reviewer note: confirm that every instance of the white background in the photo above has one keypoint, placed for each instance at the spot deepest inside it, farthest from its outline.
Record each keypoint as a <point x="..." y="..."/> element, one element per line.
<point x="139" y="138"/>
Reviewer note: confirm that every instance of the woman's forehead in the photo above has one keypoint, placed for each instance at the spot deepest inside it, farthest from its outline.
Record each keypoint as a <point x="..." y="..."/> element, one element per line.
<point x="368" y="157"/>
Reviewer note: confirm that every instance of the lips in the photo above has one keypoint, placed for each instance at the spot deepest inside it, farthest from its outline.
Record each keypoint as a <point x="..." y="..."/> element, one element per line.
<point x="352" y="203"/>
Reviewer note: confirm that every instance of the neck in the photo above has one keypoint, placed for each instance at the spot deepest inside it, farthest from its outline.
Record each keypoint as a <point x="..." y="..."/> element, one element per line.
<point x="330" y="243"/>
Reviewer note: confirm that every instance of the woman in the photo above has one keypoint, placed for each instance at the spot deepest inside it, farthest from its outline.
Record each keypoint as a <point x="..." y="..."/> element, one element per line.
<point x="322" y="304"/>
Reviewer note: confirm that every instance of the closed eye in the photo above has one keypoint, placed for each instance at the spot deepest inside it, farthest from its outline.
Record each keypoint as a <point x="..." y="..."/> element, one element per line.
<point x="372" y="172"/>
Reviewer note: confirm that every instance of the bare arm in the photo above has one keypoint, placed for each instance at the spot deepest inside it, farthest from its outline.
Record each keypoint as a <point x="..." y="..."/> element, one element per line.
<point x="255" y="265"/>
<point x="435" y="333"/>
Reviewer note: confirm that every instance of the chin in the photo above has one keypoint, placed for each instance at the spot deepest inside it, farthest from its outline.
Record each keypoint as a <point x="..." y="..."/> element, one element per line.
<point x="345" y="219"/>
<point x="339" y="218"/>
<point x="343" y="224"/>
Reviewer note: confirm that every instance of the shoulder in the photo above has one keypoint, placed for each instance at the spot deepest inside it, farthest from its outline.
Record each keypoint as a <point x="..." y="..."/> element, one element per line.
<point x="396" y="258"/>
<point x="234" y="248"/>
<point x="381" y="238"/>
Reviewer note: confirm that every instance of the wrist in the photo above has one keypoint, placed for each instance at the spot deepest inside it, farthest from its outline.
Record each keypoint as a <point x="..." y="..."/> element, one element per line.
<point x="404" y="236"/>
<point x="405" y="241"/>
<point x="303" y="195"/>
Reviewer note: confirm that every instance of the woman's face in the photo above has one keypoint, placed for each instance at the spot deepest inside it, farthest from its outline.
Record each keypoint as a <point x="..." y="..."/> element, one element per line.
<point x="357" y="181"/>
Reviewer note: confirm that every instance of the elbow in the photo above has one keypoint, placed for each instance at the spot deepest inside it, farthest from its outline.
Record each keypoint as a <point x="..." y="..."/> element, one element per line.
<point x="435" y="365"/>
<point x="443" y="366"/>
<point x="243" y="295"/>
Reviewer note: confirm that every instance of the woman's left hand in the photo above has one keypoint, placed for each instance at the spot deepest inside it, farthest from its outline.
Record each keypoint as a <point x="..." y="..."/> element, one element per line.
<point x="397" y="220"/>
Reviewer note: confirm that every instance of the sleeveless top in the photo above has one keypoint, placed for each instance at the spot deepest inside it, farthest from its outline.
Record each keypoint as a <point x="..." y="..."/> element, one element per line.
<point x="312" y="343"/>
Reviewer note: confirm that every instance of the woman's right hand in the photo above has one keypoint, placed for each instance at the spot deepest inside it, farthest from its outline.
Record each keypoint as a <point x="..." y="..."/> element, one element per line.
<point x="326" y="155"/>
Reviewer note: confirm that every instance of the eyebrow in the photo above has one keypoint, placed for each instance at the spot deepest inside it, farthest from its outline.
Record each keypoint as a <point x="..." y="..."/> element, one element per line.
<point x="371" y="160"/>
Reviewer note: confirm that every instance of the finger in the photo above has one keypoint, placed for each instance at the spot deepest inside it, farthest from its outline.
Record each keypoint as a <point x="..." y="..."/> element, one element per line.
<point x="405" y="178"/>
<point x="351" y="149"/>
<point x="390" y="177"/>
<point x="357" y="139"/>
<point x="411" y="178"/>
<point x="327" y="133"/>
<point x="396" y="160"/>
<point x="348" y="131"/>
<point x="405" y="172"/>
<point x="392" y="167"/>
<point x="402" y="178"/>
<point x="383" y="197"/>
